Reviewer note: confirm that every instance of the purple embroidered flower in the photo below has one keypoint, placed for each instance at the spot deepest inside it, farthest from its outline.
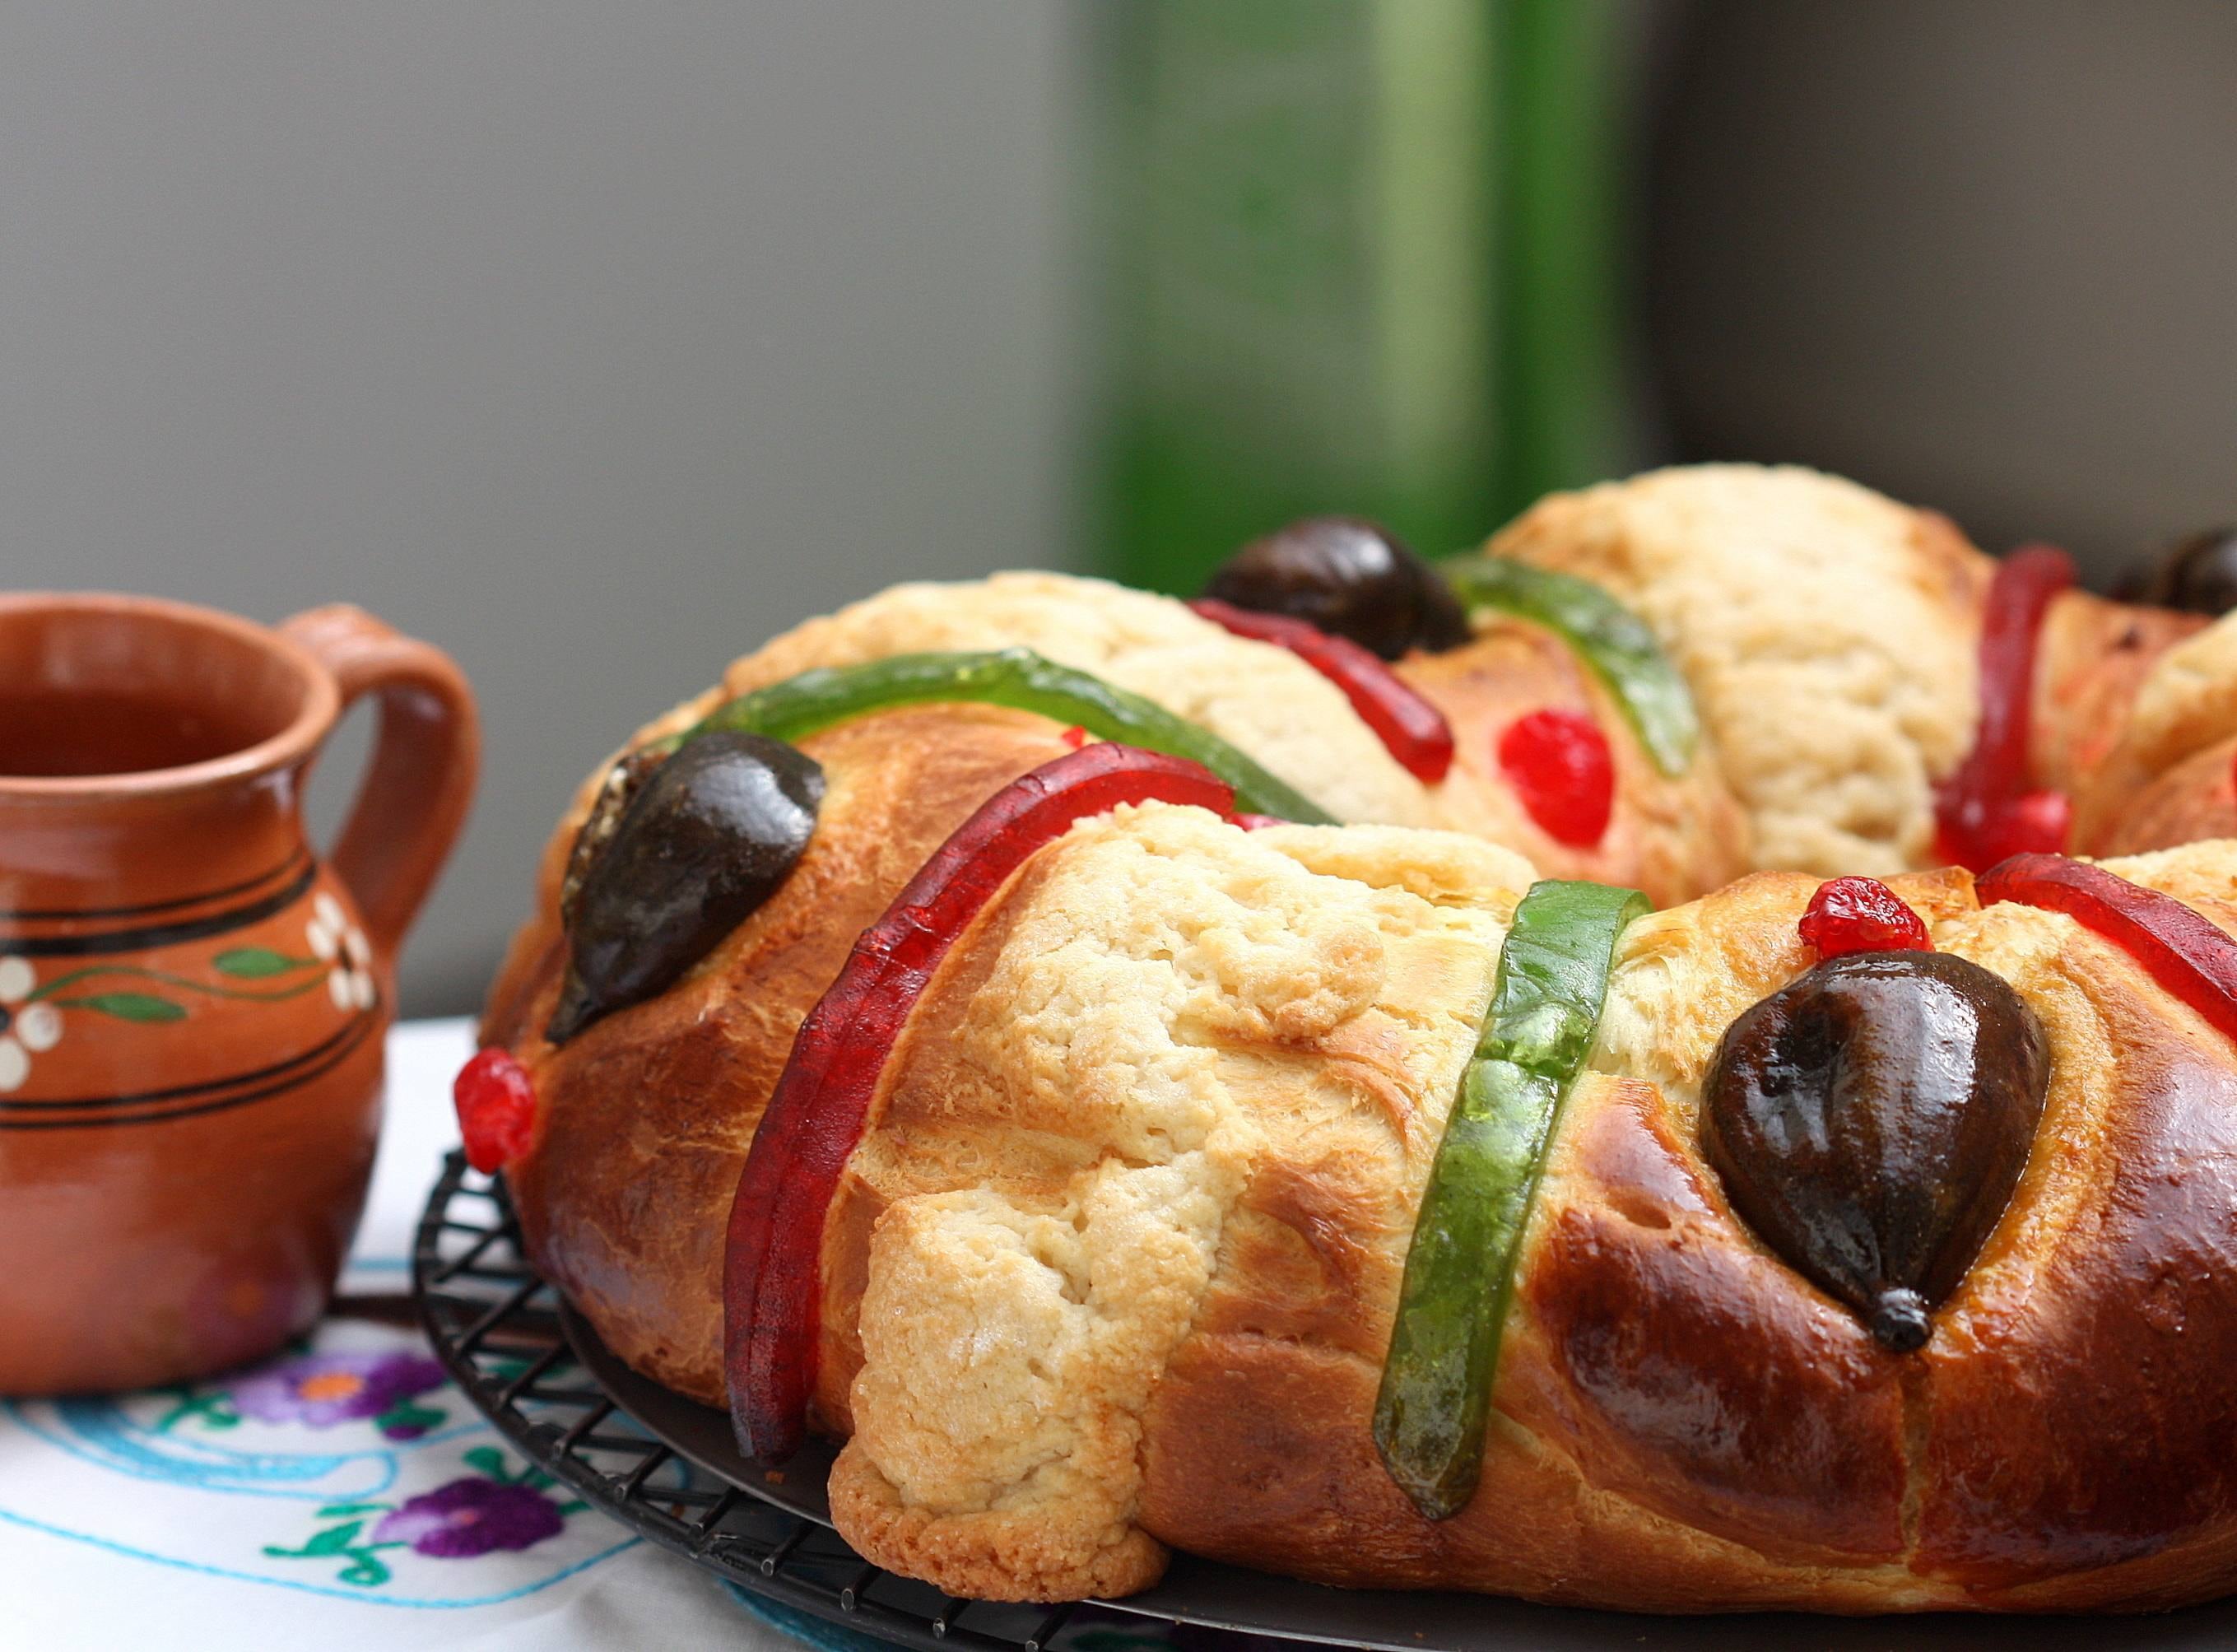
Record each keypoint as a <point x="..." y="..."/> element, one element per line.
<point x="322" y="1389"/>
<point x="472" y="1517"/>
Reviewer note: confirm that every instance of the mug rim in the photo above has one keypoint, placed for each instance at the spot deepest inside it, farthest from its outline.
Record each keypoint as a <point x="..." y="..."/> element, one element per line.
<point x="314" y="716"/>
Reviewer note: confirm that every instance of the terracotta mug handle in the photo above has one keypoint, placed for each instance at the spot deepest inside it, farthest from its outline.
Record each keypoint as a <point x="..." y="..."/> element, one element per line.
<point x="421" y="776"/>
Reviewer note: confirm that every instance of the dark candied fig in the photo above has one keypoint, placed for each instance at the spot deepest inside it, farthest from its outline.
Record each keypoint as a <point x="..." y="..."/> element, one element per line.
<point x="616" y="793"/>
<point x="2199" y="576"/>
<point x="707" y="837"/>
<point x="1869" y="1122"/>
<point x="1350" y="579"/>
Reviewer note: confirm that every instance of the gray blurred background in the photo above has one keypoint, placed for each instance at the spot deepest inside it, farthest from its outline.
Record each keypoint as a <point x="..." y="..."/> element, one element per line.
<point x="596" y="342"/>
<point x="593" y="342"/>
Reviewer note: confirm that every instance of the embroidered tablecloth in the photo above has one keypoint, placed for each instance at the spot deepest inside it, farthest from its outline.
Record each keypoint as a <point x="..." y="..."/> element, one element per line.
<point x="343" y="1495"/>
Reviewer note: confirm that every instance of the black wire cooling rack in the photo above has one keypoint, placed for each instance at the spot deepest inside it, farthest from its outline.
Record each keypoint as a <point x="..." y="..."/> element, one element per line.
<point x="553" y="1389"/>
<point x="500" y="1331"/>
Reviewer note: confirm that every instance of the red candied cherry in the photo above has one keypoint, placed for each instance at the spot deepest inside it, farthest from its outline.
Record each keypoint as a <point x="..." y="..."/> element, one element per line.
<point x="1861" y="915"/>
<point x="1558" y="763"/>
<point x="497" y="1109"/>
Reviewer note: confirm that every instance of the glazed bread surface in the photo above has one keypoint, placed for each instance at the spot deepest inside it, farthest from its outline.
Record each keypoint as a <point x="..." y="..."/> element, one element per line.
<point x="1675" y="837"/>
<point x="1829" y="635"/>
<point x="646" y="1114"/>
<point x="1166" y="1033"/>
<point x="1114" y="1271"/>
<point x="1253" y="695"/>
<point x="2164" y="776"/>
<point x="1121" y="1258"/>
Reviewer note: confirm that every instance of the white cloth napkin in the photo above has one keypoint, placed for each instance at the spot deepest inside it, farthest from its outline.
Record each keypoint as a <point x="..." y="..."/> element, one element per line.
<point x="342" y="1497"/>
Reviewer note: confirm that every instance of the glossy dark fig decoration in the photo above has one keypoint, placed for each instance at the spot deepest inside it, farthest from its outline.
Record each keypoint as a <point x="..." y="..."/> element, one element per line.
<point x="1869" y="1122"/>
<point x="1350" y="579"/>
<point x="617" y="791"/>
<point x="708" y="837"/>
<point x="2198" y="576"/>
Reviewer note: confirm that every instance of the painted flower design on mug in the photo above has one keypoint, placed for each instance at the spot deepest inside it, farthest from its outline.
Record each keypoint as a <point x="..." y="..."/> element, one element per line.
<point x="332" y="938"/>
<point x="27" y="1027"/>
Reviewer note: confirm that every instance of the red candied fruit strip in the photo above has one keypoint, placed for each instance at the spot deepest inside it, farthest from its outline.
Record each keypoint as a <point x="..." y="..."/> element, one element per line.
<point x="772" y="1282"/>
<point x="2188" y="954"/>
<point x="1861" y="915"/>
<point x="1413" y="731"/>
<point x="2036" y="823"/>
<point x="1558" y="763"/>
<point x="1983" y="812"/>
<point x="497" y="1109"/>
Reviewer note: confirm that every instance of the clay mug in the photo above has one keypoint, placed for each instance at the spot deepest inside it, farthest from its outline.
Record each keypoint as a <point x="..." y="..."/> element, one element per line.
<point x="192" y="1006"/>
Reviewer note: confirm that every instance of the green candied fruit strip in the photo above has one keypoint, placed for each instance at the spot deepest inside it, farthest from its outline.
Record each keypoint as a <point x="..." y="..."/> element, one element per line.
<point x="1608" y="635"/>
<point x="1434" y="1402"/>
<point x="1016" y="678"/>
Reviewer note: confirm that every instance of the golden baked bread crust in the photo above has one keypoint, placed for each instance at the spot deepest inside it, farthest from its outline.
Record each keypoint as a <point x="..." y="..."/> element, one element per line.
<point x="1671" y="837"/>
<point x="2165" y="777"/>
<point x="1114" y="1269"/>
<point x="2192" y="799"/>
<point x="1682" y="1422"/>
<point x="1829" y="635"/>
<point x="646" y="1116"/>
<point x="1253" y="695"/>
<point x="1158" y="1013"/>
<point x="2093" y="659"/>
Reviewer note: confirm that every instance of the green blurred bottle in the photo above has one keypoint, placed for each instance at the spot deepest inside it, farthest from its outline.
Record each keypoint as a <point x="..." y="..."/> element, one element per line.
<point x="1360" y="258"/>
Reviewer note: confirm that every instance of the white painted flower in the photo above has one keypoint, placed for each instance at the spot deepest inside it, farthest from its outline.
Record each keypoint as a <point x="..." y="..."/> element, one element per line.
<point x="332" y="938"/>
<point x="25" y="1028"/>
